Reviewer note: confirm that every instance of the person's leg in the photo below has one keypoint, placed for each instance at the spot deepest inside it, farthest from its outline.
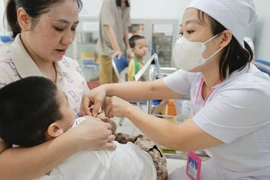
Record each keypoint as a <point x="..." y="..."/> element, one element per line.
<point x="114" y="77"/>
<point x="105" y="70"/>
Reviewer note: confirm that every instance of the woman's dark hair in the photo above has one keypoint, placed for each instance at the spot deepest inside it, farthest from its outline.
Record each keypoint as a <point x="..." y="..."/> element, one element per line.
<point x="27" y="108"/>
<point x="234" y="57"/>
<point x="34" y="8"/>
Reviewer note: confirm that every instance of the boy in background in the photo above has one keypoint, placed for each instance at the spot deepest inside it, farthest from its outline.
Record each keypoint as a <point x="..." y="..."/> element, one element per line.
<point x="34" y="110"/>
<point x="138" y="46"/>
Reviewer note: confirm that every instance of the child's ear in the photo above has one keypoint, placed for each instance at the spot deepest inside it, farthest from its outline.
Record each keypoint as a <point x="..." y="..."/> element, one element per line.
<point x="54" y="130"/>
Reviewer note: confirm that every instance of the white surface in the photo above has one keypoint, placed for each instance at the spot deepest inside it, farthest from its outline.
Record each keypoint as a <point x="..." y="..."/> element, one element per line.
<point x="164" y="28"/>
<point x="142" y="9"/>
<point x="262" y="35"/>
<point x="126" y="162"/>
<point x="90" y="26"/>
<point x="2" y="9"/>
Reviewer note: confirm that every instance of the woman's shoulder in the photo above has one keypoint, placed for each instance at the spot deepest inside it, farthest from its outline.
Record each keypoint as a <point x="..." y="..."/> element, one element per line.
<point x="246" y="88"/>
<point x="249" y="78"/>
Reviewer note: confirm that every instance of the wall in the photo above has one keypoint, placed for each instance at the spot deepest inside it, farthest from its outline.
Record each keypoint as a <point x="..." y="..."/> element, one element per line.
<point x="144" y="9"/>
<point x="174" y="9"/>
<point x="1" y="16"/>
<point x="262" y="33"/>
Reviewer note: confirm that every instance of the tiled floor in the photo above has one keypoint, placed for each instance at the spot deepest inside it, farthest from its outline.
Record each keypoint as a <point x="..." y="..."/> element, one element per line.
<point x="129" y="128"/>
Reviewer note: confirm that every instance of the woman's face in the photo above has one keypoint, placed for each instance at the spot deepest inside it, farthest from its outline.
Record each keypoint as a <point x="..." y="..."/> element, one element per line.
<point x="54" y="31"/>
<point x="195" y="30"/>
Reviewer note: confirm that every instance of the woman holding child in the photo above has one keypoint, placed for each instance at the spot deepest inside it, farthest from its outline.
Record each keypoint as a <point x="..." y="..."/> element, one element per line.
<point x="43" y="31"/>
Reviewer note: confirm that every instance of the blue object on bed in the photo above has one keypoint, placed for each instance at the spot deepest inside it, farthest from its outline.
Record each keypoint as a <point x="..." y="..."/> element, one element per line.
<point x="6" y="39"/>
<point x="265" y="66"/>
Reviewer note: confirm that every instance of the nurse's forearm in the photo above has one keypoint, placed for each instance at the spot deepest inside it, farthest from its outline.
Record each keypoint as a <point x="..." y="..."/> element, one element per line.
<point x="164" y="132"/>
<point x="30" y="163"/>
<point x="141" y="91"/>
<point x="130" y="91"/>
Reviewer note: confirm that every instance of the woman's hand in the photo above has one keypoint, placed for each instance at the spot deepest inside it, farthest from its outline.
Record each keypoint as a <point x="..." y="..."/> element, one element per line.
<point x="93" y="134"/>
<point x="115" y="106"/>
<point x="93" y="99"/>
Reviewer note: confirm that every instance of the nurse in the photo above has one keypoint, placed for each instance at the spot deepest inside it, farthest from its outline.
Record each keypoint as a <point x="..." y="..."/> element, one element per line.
<point x="231" y="118"/>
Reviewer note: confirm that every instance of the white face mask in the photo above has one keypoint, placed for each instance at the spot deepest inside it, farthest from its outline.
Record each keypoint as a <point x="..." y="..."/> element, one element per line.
<point x="188" y="55"/>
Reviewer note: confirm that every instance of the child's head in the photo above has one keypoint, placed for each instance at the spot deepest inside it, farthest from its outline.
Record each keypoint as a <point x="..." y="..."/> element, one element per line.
<point x="32" y="111"/>
<point x="138" y="45"/>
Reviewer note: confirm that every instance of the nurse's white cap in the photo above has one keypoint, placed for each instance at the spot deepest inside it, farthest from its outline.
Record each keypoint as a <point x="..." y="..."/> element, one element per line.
<point x="234" y="15"/>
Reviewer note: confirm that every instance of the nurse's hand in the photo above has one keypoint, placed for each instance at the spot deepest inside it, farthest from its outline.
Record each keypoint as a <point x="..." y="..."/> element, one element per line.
<point x="115" y="106"/>
<point x="93" y="99"/>
<point x="93" y="134"/>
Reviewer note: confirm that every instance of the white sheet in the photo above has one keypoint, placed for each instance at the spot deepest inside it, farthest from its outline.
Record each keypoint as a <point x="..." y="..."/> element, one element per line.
<point x="127" y="162"/>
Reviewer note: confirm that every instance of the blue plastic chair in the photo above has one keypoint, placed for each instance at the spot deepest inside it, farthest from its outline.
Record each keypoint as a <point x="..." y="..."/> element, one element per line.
<point x="119" y="65"/>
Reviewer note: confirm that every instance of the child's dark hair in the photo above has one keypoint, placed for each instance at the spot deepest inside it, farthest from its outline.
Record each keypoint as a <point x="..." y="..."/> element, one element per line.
<point x="27" y="108"/>
<point x="133" y="39"/>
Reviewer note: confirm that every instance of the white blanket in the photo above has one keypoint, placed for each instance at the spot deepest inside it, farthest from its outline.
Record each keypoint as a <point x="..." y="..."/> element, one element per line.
<point x="127" y="162"/>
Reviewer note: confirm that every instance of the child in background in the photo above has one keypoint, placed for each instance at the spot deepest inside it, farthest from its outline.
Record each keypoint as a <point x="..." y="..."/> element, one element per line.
<point x="33" y="110"/>
<point x="137" y="44"/>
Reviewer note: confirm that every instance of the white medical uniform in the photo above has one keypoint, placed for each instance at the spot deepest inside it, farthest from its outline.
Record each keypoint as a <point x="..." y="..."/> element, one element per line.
<point x="126" y="162"/>
<point x="236" y="113"/>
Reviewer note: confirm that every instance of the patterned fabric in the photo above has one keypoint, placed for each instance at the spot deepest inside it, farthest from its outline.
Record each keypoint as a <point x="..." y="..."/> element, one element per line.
<point x="15" y="64"/>
<point x="151" y="148"/>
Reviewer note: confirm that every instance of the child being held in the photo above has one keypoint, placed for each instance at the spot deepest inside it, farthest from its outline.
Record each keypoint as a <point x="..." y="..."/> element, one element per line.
<point x="34" y="110"/>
